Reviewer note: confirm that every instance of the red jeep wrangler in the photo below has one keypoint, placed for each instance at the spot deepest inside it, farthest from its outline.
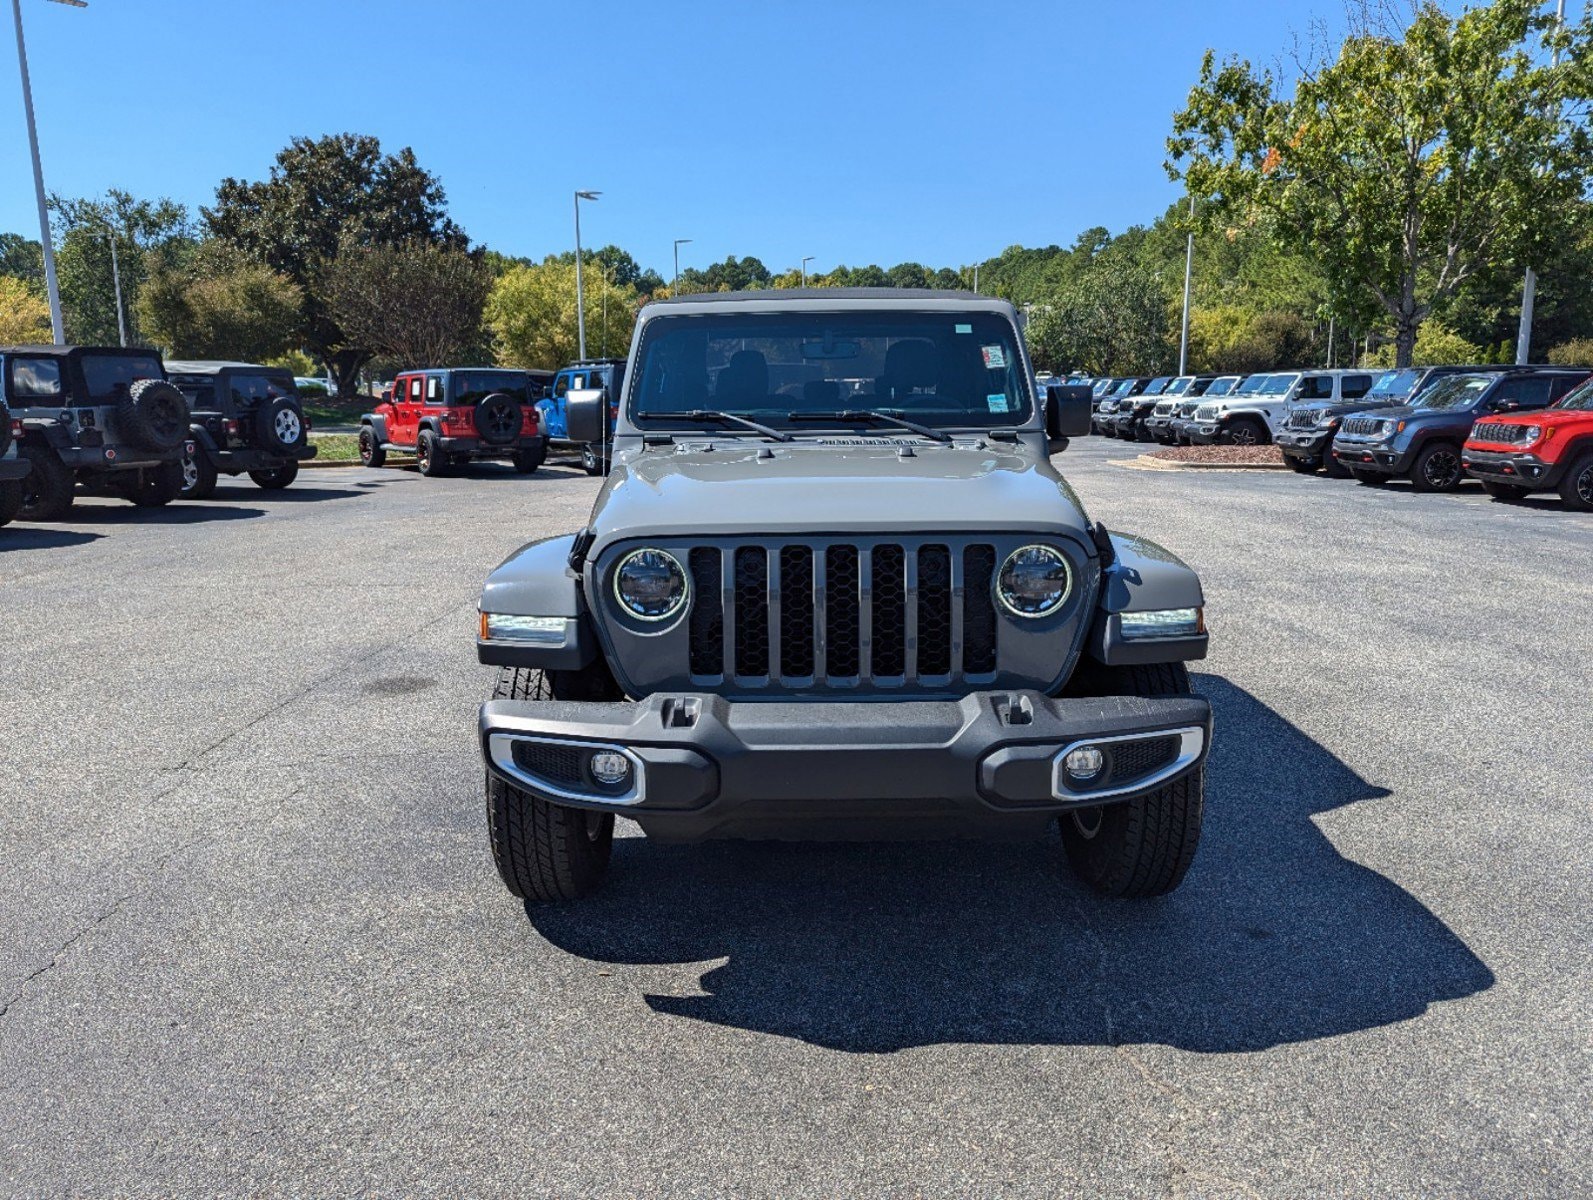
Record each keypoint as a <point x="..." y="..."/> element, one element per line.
<point x="1547" y="450"/>
<point x="456" y="415"/>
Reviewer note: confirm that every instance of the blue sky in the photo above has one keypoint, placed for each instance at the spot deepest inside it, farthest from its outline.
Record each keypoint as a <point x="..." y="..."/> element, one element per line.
<point x="855" y="132"/>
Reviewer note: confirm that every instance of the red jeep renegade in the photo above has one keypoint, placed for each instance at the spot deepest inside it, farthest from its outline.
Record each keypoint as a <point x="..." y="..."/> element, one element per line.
<point x="452" y="416"/>
<point x="1547" y="450"/>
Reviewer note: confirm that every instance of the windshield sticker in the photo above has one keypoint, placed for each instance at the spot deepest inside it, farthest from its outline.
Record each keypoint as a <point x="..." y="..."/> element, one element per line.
<point x="995" y="356"/>
<point x="997" y="402"/>
<point x="964" y="328"/>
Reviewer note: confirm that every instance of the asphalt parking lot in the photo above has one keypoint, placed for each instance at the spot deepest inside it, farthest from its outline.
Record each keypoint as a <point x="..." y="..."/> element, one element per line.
<point x="251" y="940"/>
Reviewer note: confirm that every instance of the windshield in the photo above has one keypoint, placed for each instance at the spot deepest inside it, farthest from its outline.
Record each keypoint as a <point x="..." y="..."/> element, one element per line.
<point x="1456" y="391"/>
<point x="1392" y="385"/>
<point x="471" y="387"/>
<point x="1579" y="398"/>
<point x="1278" y="385"/>
<point x="1124" y="388"/>
<point x="109" y="376"/>
<point x="1157" y="386"/>
<point x="1179" y="386"/>
<point x="938" y="368"/>
<point x="1252" y="385"/>
<point x="1221" y="387"/>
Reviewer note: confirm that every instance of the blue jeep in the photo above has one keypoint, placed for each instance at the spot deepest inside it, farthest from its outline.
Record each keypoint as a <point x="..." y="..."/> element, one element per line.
<point x="606" y="373"/>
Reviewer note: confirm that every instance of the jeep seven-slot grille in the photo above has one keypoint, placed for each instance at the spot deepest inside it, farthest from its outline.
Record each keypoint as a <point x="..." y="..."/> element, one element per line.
<point x="1362" y="426"/>
<point x="1499" y="433"/>
<point x="1302" y="418"/>
<point x="849" y="613"/>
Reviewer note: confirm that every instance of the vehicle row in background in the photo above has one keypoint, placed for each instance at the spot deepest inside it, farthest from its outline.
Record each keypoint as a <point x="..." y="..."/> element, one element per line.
<point x="243" y="418"/>
<point x="447" y="417"/>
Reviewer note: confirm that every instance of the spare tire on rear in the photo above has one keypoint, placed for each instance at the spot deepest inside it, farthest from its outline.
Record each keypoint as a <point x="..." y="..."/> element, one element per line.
<point x="5" y="429"/>
<point x="279" y="425"/>
<point x="154" y="416"/>
<point x="498" y="419"/>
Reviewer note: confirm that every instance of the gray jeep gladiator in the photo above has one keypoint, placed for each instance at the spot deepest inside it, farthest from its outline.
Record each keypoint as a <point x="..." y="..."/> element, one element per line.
<point x="833" y="588"/>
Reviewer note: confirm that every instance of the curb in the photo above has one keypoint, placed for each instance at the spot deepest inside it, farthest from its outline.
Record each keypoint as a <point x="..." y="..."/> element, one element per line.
<point x="1146" y="463"/>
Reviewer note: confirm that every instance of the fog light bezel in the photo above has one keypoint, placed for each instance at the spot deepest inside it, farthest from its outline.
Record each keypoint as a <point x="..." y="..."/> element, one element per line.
<point x="500" y="751"/>
<point x="1191" y="746"/>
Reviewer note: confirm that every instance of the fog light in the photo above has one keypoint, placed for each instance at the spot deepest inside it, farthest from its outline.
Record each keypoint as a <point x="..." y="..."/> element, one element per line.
<point x="1084" y="763"/>
<point x="609" y="768"/>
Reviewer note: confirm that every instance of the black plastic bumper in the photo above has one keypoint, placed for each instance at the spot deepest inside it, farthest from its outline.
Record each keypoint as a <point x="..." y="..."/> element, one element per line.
<point x="1371" y="456"/>
<point x="13" y="469"/>
<point x="706" y="767"/>
<point x="1310" y="446"/>
<point x="250" y="458"/>
<point x="1517" y="470"/>
<point x="474" y="447"/>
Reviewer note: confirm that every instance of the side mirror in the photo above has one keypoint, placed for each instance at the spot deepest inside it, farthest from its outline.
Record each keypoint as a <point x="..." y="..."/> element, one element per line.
<point x="1506" y="405"/>
<point x="586" y="414"/>
<point x="1067" y="414"/>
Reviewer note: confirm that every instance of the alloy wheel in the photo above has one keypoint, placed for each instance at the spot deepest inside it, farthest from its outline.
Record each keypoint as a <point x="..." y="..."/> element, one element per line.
<point x="190" y="473"/>
<point x="1442" y="469"/>
<point x="1584" y="485"/>
<point x="288" y="427"/>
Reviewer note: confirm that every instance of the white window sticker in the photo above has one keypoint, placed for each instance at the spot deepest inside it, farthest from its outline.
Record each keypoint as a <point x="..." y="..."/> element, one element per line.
<point x="997" y="401"/>
<point x="995" y="357"/>
<point x="964" y="328"/>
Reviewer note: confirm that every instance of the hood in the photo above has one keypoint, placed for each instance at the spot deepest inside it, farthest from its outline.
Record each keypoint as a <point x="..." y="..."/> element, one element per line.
<point x="1343" y="408"/>
<point x="838" y="485"/>
<point x="1541" y="416"/>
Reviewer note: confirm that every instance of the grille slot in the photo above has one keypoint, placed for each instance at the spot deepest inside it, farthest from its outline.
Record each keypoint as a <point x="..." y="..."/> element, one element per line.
<point x="1498" y="433"/>
<point x="842" y="614"/>
<point x="557" y="764"/>
<point x="1134" y="760"/>
<point x="1302" y="418"/>
<point x="1362" y="426"/>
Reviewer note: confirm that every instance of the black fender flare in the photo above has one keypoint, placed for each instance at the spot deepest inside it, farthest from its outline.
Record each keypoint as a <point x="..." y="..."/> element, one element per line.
<point x="537" y="580"/>
<point x="1143" y="577"/>
<point x="378" y="424"/>
<point x="203" y="439"/>
<point x="49" y="433"/>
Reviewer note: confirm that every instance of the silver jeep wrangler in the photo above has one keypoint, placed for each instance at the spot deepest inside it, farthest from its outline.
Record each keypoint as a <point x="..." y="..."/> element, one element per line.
<point x="834" y="588"/>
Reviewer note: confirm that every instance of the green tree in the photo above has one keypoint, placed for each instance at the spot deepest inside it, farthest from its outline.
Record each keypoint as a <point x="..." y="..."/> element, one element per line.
<point x="321" y="197"/>
<point x="531" y="313"/>
<point x="219" y="306"/>
<point x="1435" y="346"/>
<point x="1409" y="162"/>
<point x="1236" y="340"/>
<point x="22" y="258"/>
<point x="149" y="235"/>
<point x="1111" y="321"/>
<point x="24" y="314"/>
<point x="421" y="304"/>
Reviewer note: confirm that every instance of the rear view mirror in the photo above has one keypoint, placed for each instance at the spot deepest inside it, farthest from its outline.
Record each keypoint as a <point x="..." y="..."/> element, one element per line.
<point x="586" y="414"/>
<point x="1067" y="414"/>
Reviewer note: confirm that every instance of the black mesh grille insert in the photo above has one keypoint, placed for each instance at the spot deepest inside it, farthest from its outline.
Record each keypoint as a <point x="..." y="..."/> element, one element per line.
<point x="707" y="613"/>
<point x="934" y="610"/>
<point x="1134" y="760"/>
<point x="889" y="583"/>
<point x="796" y="611"/>
<point x="841" y="658"/>
<point x="979" y="610"/>
<point x="556" y="764"/>
<point x="752" y="611"/>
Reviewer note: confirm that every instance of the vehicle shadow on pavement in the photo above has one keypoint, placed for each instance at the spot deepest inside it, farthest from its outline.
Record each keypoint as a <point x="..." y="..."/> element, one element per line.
<point x="21" y="537"/>
<point x="296" y="494"/>
<point x="1273" y="938"/>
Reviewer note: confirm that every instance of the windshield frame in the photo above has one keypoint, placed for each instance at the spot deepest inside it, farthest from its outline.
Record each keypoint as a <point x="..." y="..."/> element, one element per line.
<point x="1455" y="384"/>
<point x="986" y="328"/>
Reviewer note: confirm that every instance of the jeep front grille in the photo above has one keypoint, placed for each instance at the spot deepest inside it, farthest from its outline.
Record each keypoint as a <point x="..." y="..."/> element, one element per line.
<point x="1302" y="418"/>
<point x="1362" y="426"/>
<point x="1164" y="408"/>
<point x="1206" y="412"/>
<point x="1187" y="409"/>
<point x="1498" y="433"/>
<point x="842" y="614"/>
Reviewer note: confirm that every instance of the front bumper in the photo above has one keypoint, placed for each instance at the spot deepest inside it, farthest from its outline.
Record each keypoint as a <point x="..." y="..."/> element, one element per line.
<point x="1371" y="456"/>
<point x="706" y="767"/>
<point x="1159" y="429"/>
<point x="1512" y="467"/>
<point x="1179" y="428"/>
<point x="1204" y="433"/>
<point x="1304" y="444"/>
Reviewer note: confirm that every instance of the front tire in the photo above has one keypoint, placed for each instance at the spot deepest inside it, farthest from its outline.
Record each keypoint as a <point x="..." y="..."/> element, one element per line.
<point x="1576" y="489"/>
<point x="1332" y="467"/>
<point x="155" y="487"/>
<point x="371" y="452"/>
<point x="1303" y="466"/>
<point x="543" y="851"/>
<point x="1247" y="431"/>
<point x="1369" y="478"/>
<point x="1504" y="491"/>
<point x="1141" y="847"/>
<point x="590" y="463"/>
<point x="277" y="478"/>
<point x="1437" y="468"/>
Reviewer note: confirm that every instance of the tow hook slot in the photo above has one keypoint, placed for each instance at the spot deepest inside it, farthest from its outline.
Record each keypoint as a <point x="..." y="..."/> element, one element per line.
<point x="1015" y="710"/>
<point x="681" y="713"/>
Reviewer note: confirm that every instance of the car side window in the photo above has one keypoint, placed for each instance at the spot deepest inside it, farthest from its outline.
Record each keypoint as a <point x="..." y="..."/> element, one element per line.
<point x="1317" y="387"/>
<point x="1560" y="385"/>
<point x="434" y="389"/>
<point x="415" y="389"/>
<point x="578" y="382"/>
<point x="1525" y="393"/>
<point x="1355" y="386"/>
<point x="35" y="377"/>
<point x="561" y="385"/>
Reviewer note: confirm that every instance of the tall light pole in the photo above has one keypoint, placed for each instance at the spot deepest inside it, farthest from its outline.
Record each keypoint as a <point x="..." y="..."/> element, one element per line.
<point x="116" y="281"/>
<point x="1189" y="275"/>
<point x="51" y="284"/>
<point x="580" y="294"/>
<point x="806" y="259"/>
<point x="1529" y="286"/>
<point x="674" y="287"/>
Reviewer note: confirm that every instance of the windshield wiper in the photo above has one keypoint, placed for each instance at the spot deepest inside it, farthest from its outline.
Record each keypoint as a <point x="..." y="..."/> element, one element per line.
<point x="858" y="416"/>
<point x="713" y="414"/>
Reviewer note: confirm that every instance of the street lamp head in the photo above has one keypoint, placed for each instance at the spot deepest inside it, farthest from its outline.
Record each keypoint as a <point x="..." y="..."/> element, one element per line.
<point x="587" y="195"/>
<point x="72" y="3"/>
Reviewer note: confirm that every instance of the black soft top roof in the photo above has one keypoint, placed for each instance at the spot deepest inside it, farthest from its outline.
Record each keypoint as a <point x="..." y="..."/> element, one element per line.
<point x="43" y="351"/>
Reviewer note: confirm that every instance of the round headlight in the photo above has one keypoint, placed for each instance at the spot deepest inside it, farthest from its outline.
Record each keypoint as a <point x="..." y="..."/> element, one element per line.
<point x="1034" y="581"/>
<point x="1532" y="432"/>
<point x="650" y="585"/>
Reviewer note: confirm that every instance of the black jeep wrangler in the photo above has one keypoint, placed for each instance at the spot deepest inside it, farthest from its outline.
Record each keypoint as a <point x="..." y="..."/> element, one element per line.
<point x="834" y="588"/>
<point x="245" y="418"/>
<point x="102" y="417"/>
